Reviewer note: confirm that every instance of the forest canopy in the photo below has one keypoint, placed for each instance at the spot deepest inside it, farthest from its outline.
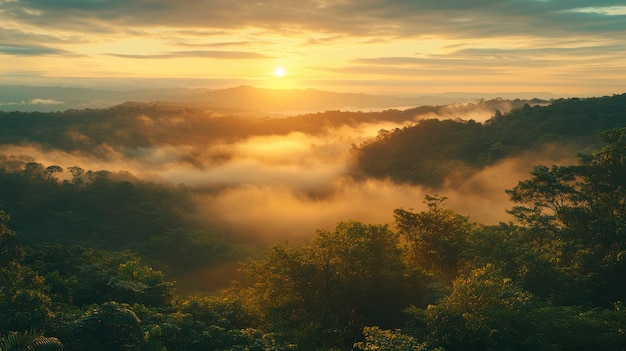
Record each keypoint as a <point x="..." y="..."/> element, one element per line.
<point x="553" y="280"/>
<point x="429" y="151"/>
<point x="89" y="259"/>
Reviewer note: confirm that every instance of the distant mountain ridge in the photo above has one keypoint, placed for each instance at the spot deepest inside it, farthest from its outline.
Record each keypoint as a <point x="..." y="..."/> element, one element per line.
<point x="48" y="99"/>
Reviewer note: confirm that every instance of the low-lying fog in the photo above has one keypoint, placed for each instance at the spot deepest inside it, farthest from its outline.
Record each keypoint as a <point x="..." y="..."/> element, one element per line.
<point x="284" y="187"/>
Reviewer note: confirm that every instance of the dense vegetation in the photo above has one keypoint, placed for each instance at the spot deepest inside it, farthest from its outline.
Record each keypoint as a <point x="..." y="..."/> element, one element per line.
<point x="110" y="211"/>
<point x="88" y="259"/>
<point x="431" y="150"/>
<point x="553" y="280"/>
<point x="129" y="128"/>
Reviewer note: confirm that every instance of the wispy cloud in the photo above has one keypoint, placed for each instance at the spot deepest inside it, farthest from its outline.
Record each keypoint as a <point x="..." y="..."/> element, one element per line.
<point x="36" y="101"/>
<point x="362" y="18"/>
<point x="226" y="55"/>
<point x="607" y="10"/>
<point x="376" y="38"/>
<point x="29" y="50"/>
<point x="217" y="44"/>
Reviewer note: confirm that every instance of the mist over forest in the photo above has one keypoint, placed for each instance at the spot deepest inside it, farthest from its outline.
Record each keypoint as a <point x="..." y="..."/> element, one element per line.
<point x="271" y="179"/>
<point x="147" y="193"/>
<point x="271" y="171"/>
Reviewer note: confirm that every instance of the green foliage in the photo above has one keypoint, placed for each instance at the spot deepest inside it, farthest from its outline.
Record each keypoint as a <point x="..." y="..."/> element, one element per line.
<point x="109" y="211"/>
<point x="90" y="207"/>
<point x="27" y="309"/>
<point x="108" y="327"/>
<point x="222" y="321"/>
<point x="186" y="250"/>
<point x="136" y="283"/>
<point x="524" y="256"/>
<point x="425" y="153"/>
<point x="82" y="276"/>
<point x="484" y="311"/>
<point x="436" y="238"/>
<point x="133" y="126"/>
<point x="326" y="292"/>
<point x="377" y="339"/>
<point x="557" y="328"/>
<point x="576" y="216"/>
<point x="553" y="282"/>
<point x="11" y="252"/>
<point x="431" y="151"/>
<point x="23" y="302"/>
<point x="29" y="341"/>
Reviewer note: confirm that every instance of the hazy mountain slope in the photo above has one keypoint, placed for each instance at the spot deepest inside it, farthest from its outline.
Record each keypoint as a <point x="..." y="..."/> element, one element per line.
<point x="50" y="99"/>
<point x="128" y="127"/>
<point x="432" y="150"/>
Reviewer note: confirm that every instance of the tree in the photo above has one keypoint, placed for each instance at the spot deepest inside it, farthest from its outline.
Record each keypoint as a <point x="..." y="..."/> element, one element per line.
<point x="28" y="307"/>
<point x="551" y="202"/>
<point x="377" y="339"/>
<point x="34" y="170"/>
<point x="29" y="341"/>
<point x="110" y="326"/>
<point x="365" y="277"/>
<point x="221" y="321"/>
<point x="11" y="252"/>
<point x="23" y="304"/>
<point x="136" y="283"/>
<point x="51" y="172"/>
<point x="326" y="292"/>
<point x="77" y="174"/>
<point x="577" y="215"/>
<point x="572" y="328"/>
<point x="436" y="237"/>
<point x="484" y="311"/>
<point x="604" y="176"/>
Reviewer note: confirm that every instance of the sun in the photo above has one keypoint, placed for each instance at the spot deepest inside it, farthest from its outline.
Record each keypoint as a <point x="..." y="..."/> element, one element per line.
<point x="279" y="71"/>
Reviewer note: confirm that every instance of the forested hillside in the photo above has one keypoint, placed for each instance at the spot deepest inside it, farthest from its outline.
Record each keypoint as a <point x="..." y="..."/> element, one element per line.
<point x="435" y="280"/>
<point x="110" y="211"/>
<point x="427" y="152"/>
<point x="71" y="203"/>
<point x="131" y="126"/>
<point x="89" y="258"/>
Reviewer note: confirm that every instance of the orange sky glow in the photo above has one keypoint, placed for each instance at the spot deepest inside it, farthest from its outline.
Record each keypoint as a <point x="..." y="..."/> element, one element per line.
<point x="383" y="47"/>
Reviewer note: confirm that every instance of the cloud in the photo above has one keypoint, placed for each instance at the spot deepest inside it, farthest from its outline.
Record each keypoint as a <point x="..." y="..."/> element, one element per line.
<point x="487" y="18"/>
<point x="509" y="41"/>
<point x="278" y="213"/>
<point x="468" y="57"/>
<point x="45" y="102"/>
<point x="216" y="44"/>
<point x="224" y="55"/>
<point x="18" y="36"/>
<point x="437" y="69"/>
<point x="606" y="10"/>
<point x="35" y="101"/>
<point x="517" y="63"/>
<point x="29" y="50"/>
<point x="286" y="212"/>
<point x="580" y="49"/>
<point x="482" y="194"/>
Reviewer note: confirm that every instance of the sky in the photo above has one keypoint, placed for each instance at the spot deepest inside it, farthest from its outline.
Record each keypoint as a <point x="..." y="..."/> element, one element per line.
<point x="567" y="47"/>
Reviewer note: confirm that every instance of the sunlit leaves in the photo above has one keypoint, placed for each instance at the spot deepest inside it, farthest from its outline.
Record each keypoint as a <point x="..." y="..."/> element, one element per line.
<point x="377" y="339"/>
<point x="484" y="311"/>
<point x="435" y="237"/>
<point x="330" y="289"/>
